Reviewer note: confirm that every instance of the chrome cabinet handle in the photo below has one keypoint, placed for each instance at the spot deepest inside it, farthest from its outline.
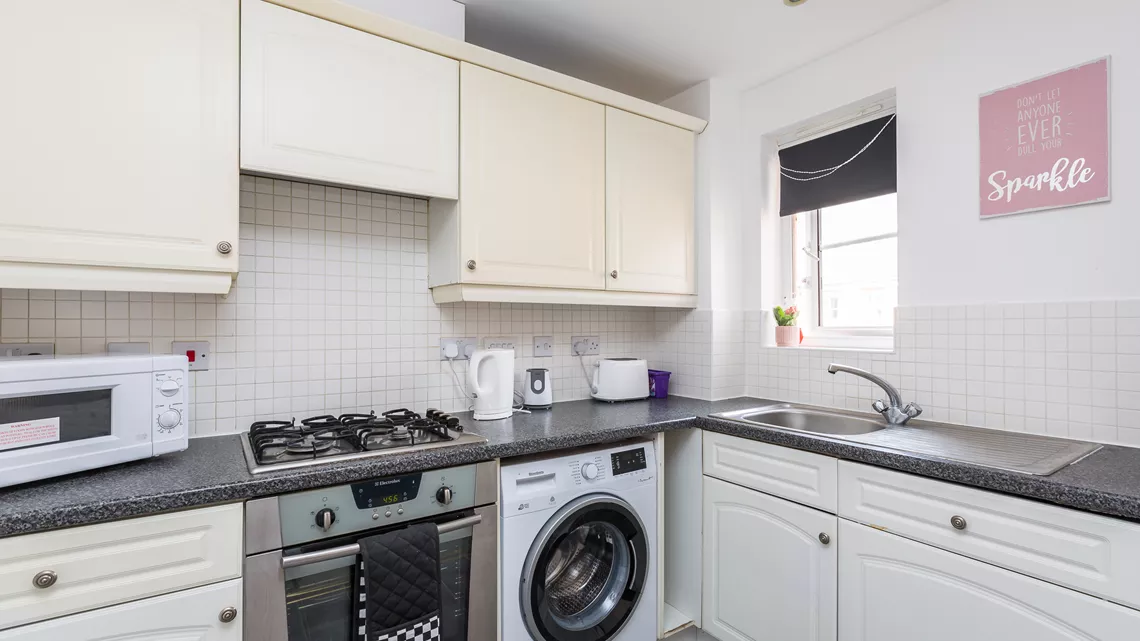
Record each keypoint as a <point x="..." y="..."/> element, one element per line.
<point x="353" y="549"/>
<point x="228" y="615"/>
<point x="225" y="247"/>
<point x="471" y="265"/>
<point x="824" y="538"/>
<point x="958" y="522"/>
<point x="45" y="579"/>
<point x="613" y="274"/>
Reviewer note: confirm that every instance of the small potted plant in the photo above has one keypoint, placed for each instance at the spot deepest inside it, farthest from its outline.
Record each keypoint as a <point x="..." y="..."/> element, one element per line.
<point x="787" y="334"/>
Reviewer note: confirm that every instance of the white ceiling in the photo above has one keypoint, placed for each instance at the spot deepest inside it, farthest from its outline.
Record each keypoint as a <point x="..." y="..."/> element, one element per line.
<point x="654" y="49"/>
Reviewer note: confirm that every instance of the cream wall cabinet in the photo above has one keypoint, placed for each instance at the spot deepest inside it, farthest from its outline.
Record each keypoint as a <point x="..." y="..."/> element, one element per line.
<point x="120" y="145"/>
<point x="532" y="186"/>
<point x="328" y="103"/>
<point x="769" y="567"/>
<point x="100" y="565"/>
<point x="200" y="614"/>
<point x="650" y="195"/>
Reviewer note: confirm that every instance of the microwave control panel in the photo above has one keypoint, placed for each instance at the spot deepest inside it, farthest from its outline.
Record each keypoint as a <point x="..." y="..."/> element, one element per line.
<point x="169" y="411"/>
<point x="375" y="503"/>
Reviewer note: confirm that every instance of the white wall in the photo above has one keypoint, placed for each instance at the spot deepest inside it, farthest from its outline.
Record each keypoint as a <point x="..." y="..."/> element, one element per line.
<point x="938" y="63"/>
<point x="442" y="16"/>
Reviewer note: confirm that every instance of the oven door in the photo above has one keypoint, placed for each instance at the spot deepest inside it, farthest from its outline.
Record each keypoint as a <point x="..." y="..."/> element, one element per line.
<point x="59" y="426"/>
<point x="308" y="593"/>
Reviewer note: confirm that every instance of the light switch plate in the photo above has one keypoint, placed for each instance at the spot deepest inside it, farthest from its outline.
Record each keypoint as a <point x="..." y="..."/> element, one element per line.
<point x="543" y="346"/>
<point x="464" y="347"/>
<point x="27" y="350"/>
<point x="201" y="353"/>
<point x="584" y="345"/>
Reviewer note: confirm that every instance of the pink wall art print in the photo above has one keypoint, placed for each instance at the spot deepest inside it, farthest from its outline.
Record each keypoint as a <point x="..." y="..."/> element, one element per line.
<point x="1044" y="143"/>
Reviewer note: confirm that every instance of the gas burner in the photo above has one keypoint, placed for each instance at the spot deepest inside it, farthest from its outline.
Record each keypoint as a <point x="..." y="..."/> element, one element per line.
<point x="309" y="445"/>
<point x="400" y="416"/>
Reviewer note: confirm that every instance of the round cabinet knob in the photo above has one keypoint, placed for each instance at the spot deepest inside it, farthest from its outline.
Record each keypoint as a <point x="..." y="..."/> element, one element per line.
<point x="225" y="247"/>
<point x="589" y="471"/>
<point x="169" y="387"/>
<point x="169" y="419"/>
<point x="471" y="265"/>
<point x="444" y="495"/>
<point x="958" y="522"/>
<point x="325" y="519"/>
<point x="228" y="615"/>
<point x="824" y="538"/>
<point x="613" y="274"/>
<point x="45" y="579"/>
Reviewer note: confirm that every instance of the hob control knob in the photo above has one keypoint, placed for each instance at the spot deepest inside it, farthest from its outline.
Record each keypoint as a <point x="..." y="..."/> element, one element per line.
<point x="443" y="495"/>
<point x="169" y="387"/>
<point x="325" y="519"/>
<point x="589" y="471"/>
<point x="169" y="419"/>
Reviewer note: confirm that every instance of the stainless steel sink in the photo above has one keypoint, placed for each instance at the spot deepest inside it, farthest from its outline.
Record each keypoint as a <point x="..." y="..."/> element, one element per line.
<point x="1013" y="451"/>
<point x="809" y="420"/>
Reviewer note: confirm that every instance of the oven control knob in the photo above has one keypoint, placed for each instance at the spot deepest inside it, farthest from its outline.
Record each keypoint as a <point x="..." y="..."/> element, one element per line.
<point x="443" y="495"/>
<point x="169" y="419"/>
<point x="325" y="519"/>
<point x="589" y="471"/>
<point x="169" y="387"/>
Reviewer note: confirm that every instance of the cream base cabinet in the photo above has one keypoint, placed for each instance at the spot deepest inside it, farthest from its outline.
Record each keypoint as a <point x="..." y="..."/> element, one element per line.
<point x="191" y="615"/>
<point x="119" y="150"/>
<point x="768" y="575"/>
<point x="650" y="183"/>
<point x="532" y="185"/>
<point x="328" y="103"/>
<point x="894" y="589"/>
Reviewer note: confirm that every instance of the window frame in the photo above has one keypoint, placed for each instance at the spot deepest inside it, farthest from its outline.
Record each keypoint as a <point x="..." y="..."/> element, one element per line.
<point x="815" y="333"/>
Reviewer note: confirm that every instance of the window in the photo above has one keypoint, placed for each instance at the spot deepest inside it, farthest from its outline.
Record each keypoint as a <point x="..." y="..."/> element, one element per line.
<point x="844" y="269"/>
<point x="839" y="213"/>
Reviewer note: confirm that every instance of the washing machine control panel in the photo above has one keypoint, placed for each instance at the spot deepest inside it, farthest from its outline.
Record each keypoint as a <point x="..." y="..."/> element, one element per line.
<point x="544" y="484"/>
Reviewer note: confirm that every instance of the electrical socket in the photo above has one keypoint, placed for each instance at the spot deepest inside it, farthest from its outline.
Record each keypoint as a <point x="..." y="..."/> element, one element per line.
<point x="499" y="343"/>
<point x="463" y="346"/>
<point x="27" y="350"/>
<point x="543" y="346"/>
<point x="584" y="345"/>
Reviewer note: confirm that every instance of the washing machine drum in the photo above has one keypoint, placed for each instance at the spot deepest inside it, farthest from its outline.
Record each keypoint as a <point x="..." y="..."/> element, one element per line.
<point x="585" y="571"/>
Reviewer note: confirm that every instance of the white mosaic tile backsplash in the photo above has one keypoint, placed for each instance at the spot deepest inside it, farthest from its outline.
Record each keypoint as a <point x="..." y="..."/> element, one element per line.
<point x="1065" y="369"/>
<point x="331" y="313"/>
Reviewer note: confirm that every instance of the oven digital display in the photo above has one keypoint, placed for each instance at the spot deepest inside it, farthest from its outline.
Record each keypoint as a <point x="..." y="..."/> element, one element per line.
<point x="628" y="461"/>
<point x="399" y="489"/>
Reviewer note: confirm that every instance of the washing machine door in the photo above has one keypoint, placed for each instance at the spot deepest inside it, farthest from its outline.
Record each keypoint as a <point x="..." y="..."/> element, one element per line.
<point x="585" y="571"/>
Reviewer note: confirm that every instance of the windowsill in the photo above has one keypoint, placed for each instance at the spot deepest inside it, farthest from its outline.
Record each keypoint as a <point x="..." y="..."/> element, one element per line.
<point x="824" y="348"/>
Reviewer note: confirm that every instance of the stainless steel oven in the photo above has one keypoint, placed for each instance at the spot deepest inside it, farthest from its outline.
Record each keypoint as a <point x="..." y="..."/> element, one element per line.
<point x="301" y="552"/>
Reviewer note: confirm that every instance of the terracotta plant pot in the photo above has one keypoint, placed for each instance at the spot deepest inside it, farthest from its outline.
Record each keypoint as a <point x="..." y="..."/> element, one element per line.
<point x="787" y="336"/>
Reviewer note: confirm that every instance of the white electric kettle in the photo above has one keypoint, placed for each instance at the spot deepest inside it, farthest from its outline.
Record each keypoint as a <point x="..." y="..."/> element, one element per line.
<point x="491" y="377"/>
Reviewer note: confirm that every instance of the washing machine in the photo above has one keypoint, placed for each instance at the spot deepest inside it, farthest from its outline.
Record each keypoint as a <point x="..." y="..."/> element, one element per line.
<point x="579" y="544"/>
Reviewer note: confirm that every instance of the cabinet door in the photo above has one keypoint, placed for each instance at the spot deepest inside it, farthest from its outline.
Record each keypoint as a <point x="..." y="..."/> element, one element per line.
<point x="767" y="575"/>
<point x="532" y="184"/>
<point x="650" y="233"/>
<point x="894" y="589"/>
<point x="329" y="103"/>
<point x="119" y="130"/>
<point x="109" y="563"/>
<point x="191" y="615"/>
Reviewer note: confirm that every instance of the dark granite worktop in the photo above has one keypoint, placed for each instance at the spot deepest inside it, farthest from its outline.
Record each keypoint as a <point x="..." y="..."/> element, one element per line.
<point x="213" y="470"/>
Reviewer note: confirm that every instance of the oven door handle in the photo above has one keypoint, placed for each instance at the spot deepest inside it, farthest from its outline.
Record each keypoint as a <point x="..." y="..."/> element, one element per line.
<point x="354" y="549"/>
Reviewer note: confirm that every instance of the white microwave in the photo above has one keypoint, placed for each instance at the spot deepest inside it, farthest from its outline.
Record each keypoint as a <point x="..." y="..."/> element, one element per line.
<point x="65" y="415"/>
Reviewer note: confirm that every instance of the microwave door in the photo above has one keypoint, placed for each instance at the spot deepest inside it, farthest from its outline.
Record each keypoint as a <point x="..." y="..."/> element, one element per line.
<point x="70" y="425"/>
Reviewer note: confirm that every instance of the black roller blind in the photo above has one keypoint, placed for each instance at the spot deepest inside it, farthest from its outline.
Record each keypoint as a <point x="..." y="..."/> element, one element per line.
<point x="871" y="174"/>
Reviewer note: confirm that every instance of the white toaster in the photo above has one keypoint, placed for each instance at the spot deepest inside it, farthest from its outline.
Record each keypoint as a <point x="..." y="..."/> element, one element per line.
<point x="621" y="379"/>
